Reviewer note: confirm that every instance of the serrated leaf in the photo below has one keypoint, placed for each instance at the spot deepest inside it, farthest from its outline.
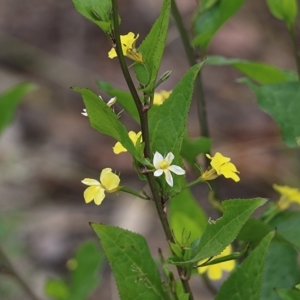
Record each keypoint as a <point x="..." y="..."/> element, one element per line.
<point x="260" y="72"/>
<point x="9" y="101"/>
<point x="131" y="262"/>
<point x="285" y="10"/>
<point x="152" y="49"/>
<point x="167" y="125"/>
<point x="206" y="23"/>
<point x="282" y="102"/>
<point x="287" y="224"/>
<point x="99" y="12"/>
<point x="246" y="280"/>
<point x="288" y="294"/>
<point x="123" y="98"/>
<point x="281" y="269"/>
<point x="187" y="219"/>
<point x="104" y="120"/>
<point x="220" y="233"/>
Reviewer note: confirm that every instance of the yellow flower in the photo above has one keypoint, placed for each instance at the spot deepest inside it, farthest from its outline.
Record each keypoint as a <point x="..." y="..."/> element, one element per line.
<point x="128" y="48"/>
<point x="161" y="97"/>
<point x="221" y="165"/>
<point x="163" y="165"/>
<point x="288" y="196"/>
<point x="214" y="272"/>
<point x="119" y="148"/>
<point x="109" y="182"/>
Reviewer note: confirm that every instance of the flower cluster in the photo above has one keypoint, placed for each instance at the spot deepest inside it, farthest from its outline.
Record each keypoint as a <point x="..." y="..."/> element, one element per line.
<point x="215" y="272"/>
<point x="288" y="196"/>
<point x="109" y="182"/>
<point x="128" y="48"/>
<point x="221" y="165"/>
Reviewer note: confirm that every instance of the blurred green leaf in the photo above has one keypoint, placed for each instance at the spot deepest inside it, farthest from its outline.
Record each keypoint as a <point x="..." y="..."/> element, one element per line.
<point x="104" y="120"/>
<point x="9" y="101"/>
<point x="287" y="224"/>
<point x="152" y="49"/>
<point x="281" y="269"/>
<point x="99" y="12"/>
<point x="84" y="275"/>
<point x="133" y="267"/>
<point x="288" y="294"/>
<point x="220" y="233"/>
<point x="210" y="18"/>
<point x="262" y="73"/>
<point x="187" y="219"/>
<point x="191" y="148"/>
<point x="245" y="282"/>
<point x="285" y="10"/>
<point x="56" y="289"/>
<point x="282" y="102"/>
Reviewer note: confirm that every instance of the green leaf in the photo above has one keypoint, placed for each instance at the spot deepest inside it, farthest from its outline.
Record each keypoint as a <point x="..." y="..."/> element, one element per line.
<point x="282" y="102"/>
<point x="187" y="219"/>
<point x="262" y="73"/>
<point x="286" y="294"/>
<point x="131" y="262"/>
<point x="167" y="124"/>
<point x="123" y="98"/>
<point x="152" y="49"/>
<point x="9" y="101"/>
<point x="287" y="224"/>
<point x="206" y="23"/>
<point x="99" y="12"/>
<point x="104" y="120"/>
<point x="246" y="280"/>
<point x="56" y="289"/>
<point x="85" y="276"/>
<point x="220" y="233"/>
<point x="191" y="148"/>
<point x="281" y="269"/>
<point x="285" y="10"/>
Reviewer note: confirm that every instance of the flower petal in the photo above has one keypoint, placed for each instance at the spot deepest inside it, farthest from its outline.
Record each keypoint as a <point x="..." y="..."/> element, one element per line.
<point x="169" y="158"/>
<point x="104" y="172"/>
<point x="169" y="178"/>
<point x="112" y="53"/>
<point x="119" y="148"/>
<point x="214" y="272"/>
<point x="177" y="170"/>
<point x="99" y="197"/>
<point x="89" y="181"/>
<point x="157" y="159"/>
<point x="110" y="181"/>
<point x="91" y="192"/>
<point x="158" y="172"/>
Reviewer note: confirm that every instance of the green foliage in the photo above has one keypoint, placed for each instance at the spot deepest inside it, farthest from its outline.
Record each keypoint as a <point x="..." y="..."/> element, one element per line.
<point x="187" y="219"/>
<point x="104" y="120"/>
<point x="287" y="224"/>
<point x="288" y="294"/>
<point x="281" y="258"/>
<point x="99" y="12"/>
<point x="220" y="233"/>
<point x="9" y="101"/>
<point x="260" y="72"/>
<point x="84" y="276"/>
<point x="152" y="49"/>
<point x="285" y="10"/>
<point x="210" y="16"/>
<point x="282" y="102"/>
<point x="246" y="280"/>
<point x="134" y="269"/>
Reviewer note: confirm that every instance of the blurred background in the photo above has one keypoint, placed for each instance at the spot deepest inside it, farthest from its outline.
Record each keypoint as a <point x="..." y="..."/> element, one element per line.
<point x="50" y="147"/>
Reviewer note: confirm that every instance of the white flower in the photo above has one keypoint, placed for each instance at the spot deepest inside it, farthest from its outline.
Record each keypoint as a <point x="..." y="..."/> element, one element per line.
<point x="110" y="103"/>
<point x="163" y="165"/>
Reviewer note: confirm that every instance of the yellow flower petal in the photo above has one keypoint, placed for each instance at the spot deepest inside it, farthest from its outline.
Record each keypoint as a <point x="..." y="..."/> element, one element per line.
<point x="91" y="192"/>
<point x="118" y="148"/>
<point x="288" y="196"/>
<point x="109" y="180"/>
<point x="161" y="97"/>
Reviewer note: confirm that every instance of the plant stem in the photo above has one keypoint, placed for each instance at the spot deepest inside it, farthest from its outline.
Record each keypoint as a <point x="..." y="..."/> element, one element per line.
<point x="12" y="271"/>
<point x="191" y="57"/>
<point x="143" y="114"/>
<point x="296" y="51"/>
